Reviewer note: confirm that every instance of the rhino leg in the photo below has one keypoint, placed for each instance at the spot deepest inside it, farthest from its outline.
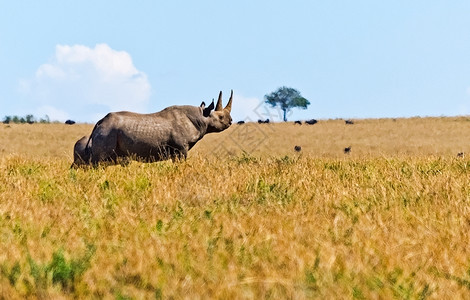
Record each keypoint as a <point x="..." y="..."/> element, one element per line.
<point x="179" y="153"/>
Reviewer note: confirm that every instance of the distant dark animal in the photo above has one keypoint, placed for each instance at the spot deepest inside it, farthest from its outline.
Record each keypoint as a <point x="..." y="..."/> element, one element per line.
<point x="311" y="122"/>
<point x="461" y="154"/>
<point x="347" y="150"/>
<point x="168" y="134"/>
<point x="349" y="122"/>
<point x="69" y="122"/>
<point x="265" y="121"/>
<point x="240" y="122"/>
<point x="298" y="122"/>
<point x="82" y="151"/>
<point x="297" y="148"/>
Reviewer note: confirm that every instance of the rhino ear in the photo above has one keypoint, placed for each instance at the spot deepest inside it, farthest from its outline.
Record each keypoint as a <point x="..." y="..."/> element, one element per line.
<point x="211" y="106"/>
<point x="207" y="111"/>
<point x="203" y="105"/>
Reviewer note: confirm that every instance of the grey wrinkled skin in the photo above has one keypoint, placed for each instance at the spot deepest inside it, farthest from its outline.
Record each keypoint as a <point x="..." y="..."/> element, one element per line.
<point x="82" y="151"/>
<point x="168" y="134"/>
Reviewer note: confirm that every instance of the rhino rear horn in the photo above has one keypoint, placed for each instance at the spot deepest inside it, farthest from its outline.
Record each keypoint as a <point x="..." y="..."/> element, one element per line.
<point x="229" y="104"/>
<point x="218" y="107"/>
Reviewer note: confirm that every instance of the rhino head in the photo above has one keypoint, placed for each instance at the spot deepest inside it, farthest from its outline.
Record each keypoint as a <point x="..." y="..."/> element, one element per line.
<point x="218" y="119"/>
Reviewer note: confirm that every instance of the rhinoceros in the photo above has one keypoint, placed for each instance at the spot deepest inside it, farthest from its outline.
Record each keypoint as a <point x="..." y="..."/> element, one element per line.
<point x="168" y="134"/>
<point x="81" y="151"/>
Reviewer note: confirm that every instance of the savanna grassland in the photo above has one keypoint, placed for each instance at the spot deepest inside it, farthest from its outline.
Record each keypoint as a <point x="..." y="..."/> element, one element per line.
<point x="245" y="216"/>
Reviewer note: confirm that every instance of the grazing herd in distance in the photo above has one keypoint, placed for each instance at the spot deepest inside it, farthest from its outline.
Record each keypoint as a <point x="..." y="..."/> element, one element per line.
<point x="308" y="122"/>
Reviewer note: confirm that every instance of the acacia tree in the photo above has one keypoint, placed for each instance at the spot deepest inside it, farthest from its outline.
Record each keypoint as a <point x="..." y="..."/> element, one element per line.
<point x="286" y="98"/>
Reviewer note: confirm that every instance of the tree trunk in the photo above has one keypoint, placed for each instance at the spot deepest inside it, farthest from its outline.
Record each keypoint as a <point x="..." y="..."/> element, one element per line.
<point x="285" y="117"/>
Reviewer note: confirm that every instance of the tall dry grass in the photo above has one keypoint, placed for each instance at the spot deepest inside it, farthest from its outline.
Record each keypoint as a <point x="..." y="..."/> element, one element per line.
<point x="390" y="220"/>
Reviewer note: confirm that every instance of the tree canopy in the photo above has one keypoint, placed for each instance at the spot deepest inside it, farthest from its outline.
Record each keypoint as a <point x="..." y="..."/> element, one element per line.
<point x="30" y="119"/>
<point x="286" y="98"/>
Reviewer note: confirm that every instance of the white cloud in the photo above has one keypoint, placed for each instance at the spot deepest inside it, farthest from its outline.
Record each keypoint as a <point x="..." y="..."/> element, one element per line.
<point x="82" y="83"/>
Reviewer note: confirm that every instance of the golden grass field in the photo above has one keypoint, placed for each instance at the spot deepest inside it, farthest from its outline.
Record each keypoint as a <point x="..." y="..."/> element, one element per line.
<point x="244" y="217"/>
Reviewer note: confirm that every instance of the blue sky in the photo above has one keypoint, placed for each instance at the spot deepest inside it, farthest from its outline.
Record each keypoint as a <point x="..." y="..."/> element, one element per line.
<point x="352" y="59"/>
